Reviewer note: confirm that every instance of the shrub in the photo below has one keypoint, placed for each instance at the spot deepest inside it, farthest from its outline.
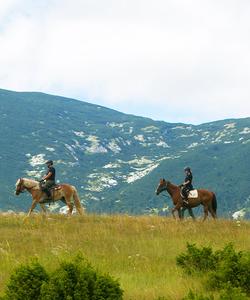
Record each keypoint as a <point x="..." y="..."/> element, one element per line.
<point x="197" y="259"/>
<point x="25" y="282"/>
<point x="70" y="281"/>
<point x="194" y="296"/>
<point x="226" y="267"/>
<point x="106" y="289"/>
<point x="233" y="269"/>
<point x="232" y="293"/>
<point x="77" y="280"/>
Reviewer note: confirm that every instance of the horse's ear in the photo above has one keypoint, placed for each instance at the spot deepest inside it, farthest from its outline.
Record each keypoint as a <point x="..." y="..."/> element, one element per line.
<point x="163" y="179"/>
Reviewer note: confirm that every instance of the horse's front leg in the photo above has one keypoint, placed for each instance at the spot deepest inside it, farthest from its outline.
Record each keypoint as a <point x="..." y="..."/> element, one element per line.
<point x="42" y="205"/>
<point x="178" y="209"/>
<point x="173" y="212"/>
<point x="33" y="205"/>
<point x="182" y="212"/>
<point x="191" y="213"/>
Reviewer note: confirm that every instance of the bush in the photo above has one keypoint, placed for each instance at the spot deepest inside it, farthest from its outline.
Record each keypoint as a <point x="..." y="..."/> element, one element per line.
<point x="26" y="281"/>
<point x="233" y="269"/>
<point x="197" y="259"/>
<point x="194" y="296"/>
<point x="78" y="280"/>
<point x="106" y="288"/>
<point x="232" y="293"/>
<point x="75" y="280"/>
<point x="226" y="267"/>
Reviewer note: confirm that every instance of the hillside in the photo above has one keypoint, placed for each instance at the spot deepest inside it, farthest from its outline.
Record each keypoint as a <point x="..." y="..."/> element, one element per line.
<point x="116" y="160"/>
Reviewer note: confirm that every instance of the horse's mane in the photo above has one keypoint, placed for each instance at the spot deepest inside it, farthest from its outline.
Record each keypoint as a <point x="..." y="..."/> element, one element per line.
<point x="30" y="183"/>
<point x="170" y="183"/>
<point x="173" y="184"/>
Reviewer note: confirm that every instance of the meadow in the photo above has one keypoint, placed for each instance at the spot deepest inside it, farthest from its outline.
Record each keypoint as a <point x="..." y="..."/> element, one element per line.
<point x="140" y="251"/>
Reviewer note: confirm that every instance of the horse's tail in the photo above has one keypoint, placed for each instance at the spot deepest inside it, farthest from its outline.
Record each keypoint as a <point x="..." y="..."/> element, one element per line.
<point x="214" y="203"/>
<point x="77" y="202"/>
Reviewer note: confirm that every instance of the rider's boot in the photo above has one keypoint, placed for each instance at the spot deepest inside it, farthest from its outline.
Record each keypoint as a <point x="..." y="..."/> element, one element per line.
<point x="47" y="191"/>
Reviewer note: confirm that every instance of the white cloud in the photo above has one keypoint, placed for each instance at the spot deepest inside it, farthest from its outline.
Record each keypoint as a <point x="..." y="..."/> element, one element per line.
<point x="174" y="60"/>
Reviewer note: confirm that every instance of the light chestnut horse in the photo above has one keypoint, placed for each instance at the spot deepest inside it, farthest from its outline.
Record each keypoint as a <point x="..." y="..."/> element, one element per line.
<point x="64" y="192"/>
<point x="205" y="198"/>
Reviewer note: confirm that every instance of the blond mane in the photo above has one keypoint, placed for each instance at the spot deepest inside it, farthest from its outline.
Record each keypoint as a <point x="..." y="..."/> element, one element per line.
<point x="29" y="183"/>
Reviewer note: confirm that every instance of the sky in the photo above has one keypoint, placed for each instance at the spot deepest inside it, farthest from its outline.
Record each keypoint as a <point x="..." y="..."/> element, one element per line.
<point x="172" y="60"/>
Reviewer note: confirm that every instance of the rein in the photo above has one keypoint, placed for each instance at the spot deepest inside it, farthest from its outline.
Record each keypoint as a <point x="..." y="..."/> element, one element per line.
<point x="165" y="195"/>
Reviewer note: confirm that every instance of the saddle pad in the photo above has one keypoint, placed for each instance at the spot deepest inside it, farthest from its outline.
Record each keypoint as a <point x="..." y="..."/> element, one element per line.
<point x="193" y="194"/>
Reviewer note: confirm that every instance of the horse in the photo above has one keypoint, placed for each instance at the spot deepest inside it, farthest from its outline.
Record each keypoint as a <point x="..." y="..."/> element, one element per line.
<point x="205" y="198"/>
<point x="63" y="192"/>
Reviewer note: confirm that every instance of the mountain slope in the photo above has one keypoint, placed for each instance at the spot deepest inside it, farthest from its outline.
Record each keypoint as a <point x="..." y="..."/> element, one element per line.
<point x="115" y="160"/>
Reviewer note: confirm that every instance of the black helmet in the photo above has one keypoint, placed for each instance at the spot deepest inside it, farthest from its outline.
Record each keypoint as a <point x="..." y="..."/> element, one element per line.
<point x="187" y="169"/>
<point x="49" y="162"/>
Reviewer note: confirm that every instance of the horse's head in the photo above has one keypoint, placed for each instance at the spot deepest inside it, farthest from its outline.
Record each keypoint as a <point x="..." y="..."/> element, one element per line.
<point x="19" y="186"/>
<point x="162" y="186"/>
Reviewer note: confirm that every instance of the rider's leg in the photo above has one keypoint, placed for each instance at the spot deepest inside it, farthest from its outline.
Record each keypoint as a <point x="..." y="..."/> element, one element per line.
<point x="185" y="194"/>
<point x="46" y="188"/>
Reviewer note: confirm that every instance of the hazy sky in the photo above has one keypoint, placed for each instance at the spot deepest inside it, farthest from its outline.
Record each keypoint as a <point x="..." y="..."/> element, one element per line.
<point x="172" y="60"/>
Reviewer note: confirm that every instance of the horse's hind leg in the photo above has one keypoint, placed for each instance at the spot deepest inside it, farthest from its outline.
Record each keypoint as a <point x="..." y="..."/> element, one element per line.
<point x="205" y="213"/>
<point x="213" y="214"/>
<point x="70" y="206"/>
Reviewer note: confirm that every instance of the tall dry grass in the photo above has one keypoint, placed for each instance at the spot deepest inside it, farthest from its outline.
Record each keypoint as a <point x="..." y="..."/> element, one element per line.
<point x="139" y="251"/>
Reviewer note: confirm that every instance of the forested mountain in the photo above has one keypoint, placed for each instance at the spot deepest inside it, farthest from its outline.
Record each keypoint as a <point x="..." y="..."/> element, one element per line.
<point x="115" y="160"/>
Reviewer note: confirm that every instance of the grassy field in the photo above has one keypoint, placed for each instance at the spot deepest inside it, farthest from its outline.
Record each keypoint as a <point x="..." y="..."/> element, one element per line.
<point x="139" y="251"/>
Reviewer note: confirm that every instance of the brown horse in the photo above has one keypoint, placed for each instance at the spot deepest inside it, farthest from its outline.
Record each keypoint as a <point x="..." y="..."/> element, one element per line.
<point x="65" y="193"/>
<point x="205" y="197"/>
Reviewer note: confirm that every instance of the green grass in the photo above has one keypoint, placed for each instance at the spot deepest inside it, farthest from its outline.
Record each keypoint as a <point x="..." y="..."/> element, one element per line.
<point x="139" y="251"/>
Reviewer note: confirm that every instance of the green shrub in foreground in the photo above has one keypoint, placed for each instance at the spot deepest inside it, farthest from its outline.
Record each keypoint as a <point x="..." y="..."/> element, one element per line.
<point x="25" y="282"/>
<point x="232" y="293"/>
<point x="197" y="259"/>
<point x="75" y="280"/>
<point x="226" y="267"/>
<point x="229" y="293"/>
<point x="233" y="270"/>
<point x="194" y="296"/>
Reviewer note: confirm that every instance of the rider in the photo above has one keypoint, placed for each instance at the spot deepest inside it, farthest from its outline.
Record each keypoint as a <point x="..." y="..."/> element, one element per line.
<point x="187" y="184"/>
<point x="49" y="178"/>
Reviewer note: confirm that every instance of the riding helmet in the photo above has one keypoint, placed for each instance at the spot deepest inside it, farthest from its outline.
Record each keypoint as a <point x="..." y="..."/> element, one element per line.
<point x="49" y="162"/>
<point x="187" y="169"/>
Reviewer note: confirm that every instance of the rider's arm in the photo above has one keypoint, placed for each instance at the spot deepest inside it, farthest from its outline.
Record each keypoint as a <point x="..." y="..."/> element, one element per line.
<point x="47" y="176"/>
<point x="186" y="182"/>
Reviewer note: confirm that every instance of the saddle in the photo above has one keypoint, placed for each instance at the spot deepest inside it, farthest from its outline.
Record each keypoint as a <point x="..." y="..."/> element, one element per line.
<point x="191" y="194"/>
<point x="52" y="190"/>
<point x="55" y="187"/>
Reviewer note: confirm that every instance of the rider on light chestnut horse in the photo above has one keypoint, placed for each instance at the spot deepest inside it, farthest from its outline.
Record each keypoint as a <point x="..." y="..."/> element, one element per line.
<point x="48" y="180"/>
<point x="64" y="192"/>
<point x="204" y="197"/>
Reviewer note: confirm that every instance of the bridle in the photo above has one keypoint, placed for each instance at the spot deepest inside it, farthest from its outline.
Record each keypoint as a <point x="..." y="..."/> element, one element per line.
<point x="20" y="188"/>
<point x="161" y="189"/>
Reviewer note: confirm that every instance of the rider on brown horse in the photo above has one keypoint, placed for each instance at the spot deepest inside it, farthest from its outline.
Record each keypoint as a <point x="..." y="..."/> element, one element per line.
<point x="187" y="184"/>
<point x="48" y="180"/>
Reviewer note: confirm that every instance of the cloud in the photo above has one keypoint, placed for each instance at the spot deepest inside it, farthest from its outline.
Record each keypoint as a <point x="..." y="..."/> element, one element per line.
<point x="173" y="60"/>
